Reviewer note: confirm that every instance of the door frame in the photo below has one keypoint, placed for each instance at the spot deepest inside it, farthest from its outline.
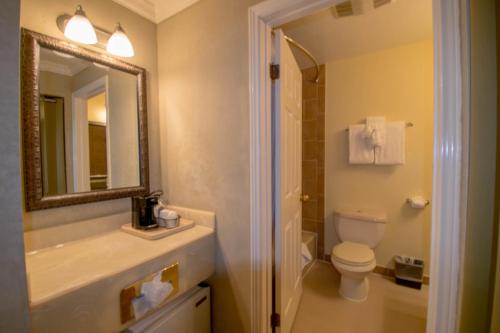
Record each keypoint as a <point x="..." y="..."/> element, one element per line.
<point x="80" y="139"/>
<point x="450" y="170"/>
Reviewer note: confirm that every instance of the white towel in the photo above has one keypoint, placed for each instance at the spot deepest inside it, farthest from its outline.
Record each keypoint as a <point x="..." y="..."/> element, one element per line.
<point x="375" y="128"/>
<point x="306" y="255"/>
<point x="360" y="150"/>
<point x="393" y="151"/>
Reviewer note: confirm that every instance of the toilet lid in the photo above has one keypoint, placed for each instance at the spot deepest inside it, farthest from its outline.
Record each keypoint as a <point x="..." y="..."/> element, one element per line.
<point x="353" y="253"/>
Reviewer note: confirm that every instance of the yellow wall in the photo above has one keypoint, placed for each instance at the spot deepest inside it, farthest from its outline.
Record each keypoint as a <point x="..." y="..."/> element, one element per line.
<point x="396" y="83"/>
<point x="40" y="16"/>
<point x="96" y="107"/>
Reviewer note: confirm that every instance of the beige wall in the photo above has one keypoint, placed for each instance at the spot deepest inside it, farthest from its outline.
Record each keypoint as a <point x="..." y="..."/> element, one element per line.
<point x="14" y="316"/>
<point x="40" y="15"/>
<point x="396" y="83"/>
<point x="203" y="76"/>
<point x="476" y="292"/>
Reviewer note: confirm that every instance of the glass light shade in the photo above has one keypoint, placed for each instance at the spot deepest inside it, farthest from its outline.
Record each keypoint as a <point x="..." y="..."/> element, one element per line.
<point x="119" y="44"/>
<point x="79" y="28"/>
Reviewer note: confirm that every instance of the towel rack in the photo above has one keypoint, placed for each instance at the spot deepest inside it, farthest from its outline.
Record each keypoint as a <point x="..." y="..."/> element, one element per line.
<point x="408" y="124"/>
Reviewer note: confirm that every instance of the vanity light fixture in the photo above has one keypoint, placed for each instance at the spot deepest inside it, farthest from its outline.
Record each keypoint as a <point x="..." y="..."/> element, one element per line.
<point x="79" y="28"/>
<point x="119" y="44"/>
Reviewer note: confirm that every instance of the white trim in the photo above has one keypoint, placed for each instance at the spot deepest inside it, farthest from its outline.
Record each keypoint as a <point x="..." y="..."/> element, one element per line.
<point x="166" y="9"/>
<point x="260" y="175"/>
<point x="80" y="132"/>
<point x="81" y="172"/>
<point x="451" y="147"/>
<point x="450" y="154"/>
<point x="262" y="18"/>
<point x="156" y="10"/>
<point x="58" y="68"/>
<point x="53" y="67"/>
<point x="109" y="178"/>
<point x="144" y="8"/>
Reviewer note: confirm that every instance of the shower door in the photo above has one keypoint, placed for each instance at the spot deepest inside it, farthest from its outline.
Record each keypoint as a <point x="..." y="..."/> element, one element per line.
<point x="288" y="184"/>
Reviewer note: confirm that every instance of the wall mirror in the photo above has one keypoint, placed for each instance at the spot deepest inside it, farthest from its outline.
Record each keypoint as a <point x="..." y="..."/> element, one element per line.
<point x="84" y="124"/>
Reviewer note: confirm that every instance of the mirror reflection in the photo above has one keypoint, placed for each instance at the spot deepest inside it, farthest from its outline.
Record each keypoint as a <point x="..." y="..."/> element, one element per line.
<point x="88" y="125"/>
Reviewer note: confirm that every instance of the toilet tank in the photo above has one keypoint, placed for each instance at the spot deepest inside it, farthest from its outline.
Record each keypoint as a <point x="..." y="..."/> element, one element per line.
<point x="359" y="226"/>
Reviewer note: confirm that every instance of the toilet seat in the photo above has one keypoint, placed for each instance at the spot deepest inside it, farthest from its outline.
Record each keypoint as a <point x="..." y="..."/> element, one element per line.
<point x="353" y="254"/>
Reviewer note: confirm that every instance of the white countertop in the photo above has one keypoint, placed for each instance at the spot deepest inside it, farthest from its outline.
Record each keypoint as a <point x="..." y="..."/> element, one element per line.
<point x="58" y="270"/>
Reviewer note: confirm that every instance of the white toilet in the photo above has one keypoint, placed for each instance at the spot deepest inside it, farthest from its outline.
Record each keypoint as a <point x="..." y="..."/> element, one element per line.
<point x="359" y="231"/>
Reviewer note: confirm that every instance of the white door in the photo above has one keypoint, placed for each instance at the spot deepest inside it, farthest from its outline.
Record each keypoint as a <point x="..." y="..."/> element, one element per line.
<point x="288" y="183"/>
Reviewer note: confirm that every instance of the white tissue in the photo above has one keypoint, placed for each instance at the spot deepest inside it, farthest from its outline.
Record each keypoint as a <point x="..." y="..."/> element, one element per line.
<point x="418" y="202"/>
<point x="141" y="306"/>
<point x="156" y="291"/>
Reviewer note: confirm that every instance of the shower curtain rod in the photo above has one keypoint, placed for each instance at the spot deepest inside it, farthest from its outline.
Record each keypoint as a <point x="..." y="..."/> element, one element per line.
<point x="307" y="53"/>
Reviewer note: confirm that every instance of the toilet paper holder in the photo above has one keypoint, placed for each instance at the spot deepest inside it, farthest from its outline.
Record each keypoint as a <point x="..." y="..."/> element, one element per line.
<point x="411" y="202"/>
<point x="127" y="295"/>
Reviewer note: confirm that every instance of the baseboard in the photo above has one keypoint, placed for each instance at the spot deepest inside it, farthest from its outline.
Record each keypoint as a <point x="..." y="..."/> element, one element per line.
<point x="382" y="270"/>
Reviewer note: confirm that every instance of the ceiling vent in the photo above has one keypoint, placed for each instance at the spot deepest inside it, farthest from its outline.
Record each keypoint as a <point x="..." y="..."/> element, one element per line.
<point x="343" y="9"/>
<point x="357" y="7"/>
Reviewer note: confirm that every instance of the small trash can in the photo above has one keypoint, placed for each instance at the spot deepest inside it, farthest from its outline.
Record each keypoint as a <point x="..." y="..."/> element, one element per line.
<point x="409" y="271"/>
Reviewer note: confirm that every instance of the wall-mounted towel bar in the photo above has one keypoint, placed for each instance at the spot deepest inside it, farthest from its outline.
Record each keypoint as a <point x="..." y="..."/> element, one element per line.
<point x="408" y="124"/>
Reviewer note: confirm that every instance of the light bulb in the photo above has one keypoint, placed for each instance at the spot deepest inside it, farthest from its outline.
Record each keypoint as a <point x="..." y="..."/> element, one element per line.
<point x="79" y="28"/>
<point x="119" y="44"/>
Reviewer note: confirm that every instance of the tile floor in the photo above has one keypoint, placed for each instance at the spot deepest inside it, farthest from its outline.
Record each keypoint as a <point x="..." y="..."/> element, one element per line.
<point x="390" y="308"/>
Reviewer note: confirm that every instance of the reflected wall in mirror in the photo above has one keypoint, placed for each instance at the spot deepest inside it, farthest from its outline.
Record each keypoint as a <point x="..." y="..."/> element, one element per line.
<point x="88" y="122"/>
<point x="84" y="124"/>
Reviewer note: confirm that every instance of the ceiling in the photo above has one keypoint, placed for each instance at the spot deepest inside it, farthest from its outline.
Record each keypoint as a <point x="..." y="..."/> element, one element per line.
<point x="52" y="61"/>
<point x="329" y="38"/>
<point x="156" y="10"/>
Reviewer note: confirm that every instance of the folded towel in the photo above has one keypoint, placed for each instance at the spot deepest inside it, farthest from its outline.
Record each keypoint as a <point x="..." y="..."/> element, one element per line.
<point x="375" y="128"/>
<point x="360" y="150"/>
<point x="393" y="151"/>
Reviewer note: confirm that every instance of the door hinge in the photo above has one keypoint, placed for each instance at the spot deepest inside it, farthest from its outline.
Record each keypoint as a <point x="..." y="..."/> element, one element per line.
<point x="275" y="71"/>
<point x="275" y="320"/>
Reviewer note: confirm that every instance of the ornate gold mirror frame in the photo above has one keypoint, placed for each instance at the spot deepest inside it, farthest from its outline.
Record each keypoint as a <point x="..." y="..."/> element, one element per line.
<point x="32" y="159"/>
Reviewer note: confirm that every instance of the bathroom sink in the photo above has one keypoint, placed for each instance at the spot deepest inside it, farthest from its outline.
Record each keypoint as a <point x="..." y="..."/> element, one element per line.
<point x="78" y="284"/>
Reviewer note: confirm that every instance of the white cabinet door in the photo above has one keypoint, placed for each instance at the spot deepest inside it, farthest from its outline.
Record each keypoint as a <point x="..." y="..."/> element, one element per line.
<point x="189" y="314"/>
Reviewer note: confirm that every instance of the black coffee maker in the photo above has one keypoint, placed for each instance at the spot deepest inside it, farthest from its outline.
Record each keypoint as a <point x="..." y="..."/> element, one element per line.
<point x="143" y="216"/>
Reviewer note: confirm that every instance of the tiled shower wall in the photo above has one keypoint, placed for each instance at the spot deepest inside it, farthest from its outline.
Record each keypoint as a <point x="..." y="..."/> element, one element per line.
<point x="313" y="154"/>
